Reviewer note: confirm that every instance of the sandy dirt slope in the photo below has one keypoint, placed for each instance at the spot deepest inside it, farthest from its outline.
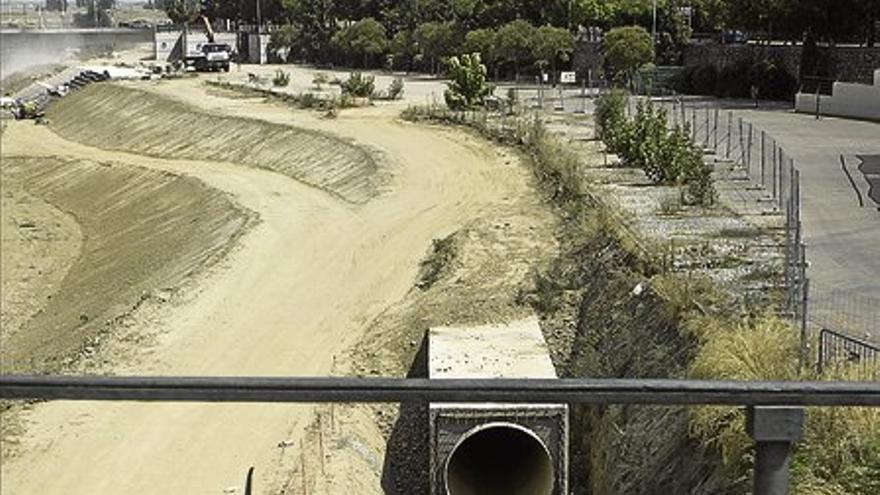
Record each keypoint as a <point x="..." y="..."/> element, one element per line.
<point x="303" y="286"/>
<point x="39" y="244"/>
<point x="144" y="233"/>
<point x="160" y="127"/>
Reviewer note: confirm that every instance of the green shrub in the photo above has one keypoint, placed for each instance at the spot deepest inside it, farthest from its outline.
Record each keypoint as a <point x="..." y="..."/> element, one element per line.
<point x="666" y="156"/>
<point x="359" y="85"/>
<point x="467" y="87"/>
<point x="643" y="147"/>
<point x="319" y="80"/>
<point x="610" y="118"/>
<point x="281" y="78"/>
<point x="395" y="90"/>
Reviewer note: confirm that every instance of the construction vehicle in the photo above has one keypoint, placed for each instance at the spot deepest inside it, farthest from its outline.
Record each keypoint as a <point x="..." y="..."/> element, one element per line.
<point x="211" y="56"/>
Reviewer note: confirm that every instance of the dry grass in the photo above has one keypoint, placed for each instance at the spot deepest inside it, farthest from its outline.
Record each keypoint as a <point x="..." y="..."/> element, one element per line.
<point x="840" y="452"/>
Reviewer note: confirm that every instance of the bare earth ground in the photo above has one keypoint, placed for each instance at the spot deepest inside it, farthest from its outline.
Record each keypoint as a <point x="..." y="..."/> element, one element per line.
<point x="302" y="287"/>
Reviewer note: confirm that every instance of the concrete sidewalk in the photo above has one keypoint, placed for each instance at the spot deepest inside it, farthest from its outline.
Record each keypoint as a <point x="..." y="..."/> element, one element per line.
<point x="841" y="214"/>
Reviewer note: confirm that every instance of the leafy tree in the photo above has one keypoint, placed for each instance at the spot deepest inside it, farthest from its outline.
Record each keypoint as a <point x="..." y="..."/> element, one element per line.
<point x="467" y="86"/>
<point x="626" y="49"/>
<point x="364" y="38"/>
<point x="483" y="41"/>
<point x="286" y="38"/>
<point x="436" y="40"/>
<point x="673" y="33"/>
<point x="403" y="49"/>
<point x="514" y="43"/>
<point x="181" y="11"/>
<point x="592" y="12"/>
<point x="317" y="25"/>
<point x="551" y="44"/>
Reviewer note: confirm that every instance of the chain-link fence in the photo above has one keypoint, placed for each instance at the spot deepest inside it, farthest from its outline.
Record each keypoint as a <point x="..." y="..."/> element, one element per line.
<point x="770" y="182"/>
<point x="765" y="178"/>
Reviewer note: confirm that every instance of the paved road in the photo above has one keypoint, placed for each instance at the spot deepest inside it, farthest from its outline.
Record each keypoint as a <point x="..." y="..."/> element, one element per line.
<point x="841" y="213"/>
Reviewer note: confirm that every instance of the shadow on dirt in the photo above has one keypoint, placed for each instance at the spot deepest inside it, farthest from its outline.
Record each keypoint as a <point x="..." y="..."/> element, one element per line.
<point x="406" y="462"/>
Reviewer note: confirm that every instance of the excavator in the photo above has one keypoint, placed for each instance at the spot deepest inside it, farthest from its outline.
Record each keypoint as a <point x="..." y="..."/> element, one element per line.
<point x="212" y="56"/>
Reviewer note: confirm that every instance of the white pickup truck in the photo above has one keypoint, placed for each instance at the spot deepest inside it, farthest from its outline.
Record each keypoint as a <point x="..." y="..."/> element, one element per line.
<point x="213" y="56"/>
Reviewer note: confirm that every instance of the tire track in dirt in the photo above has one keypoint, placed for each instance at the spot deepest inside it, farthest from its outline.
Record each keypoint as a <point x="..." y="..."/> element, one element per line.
<point x="303" y="286"/>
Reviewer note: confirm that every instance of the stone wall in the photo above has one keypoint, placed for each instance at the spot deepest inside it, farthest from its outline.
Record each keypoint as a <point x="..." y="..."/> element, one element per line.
<point x="851" y="64"/>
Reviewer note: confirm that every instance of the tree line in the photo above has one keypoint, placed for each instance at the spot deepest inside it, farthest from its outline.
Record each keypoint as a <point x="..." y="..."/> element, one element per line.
<point x="513" y="35"/>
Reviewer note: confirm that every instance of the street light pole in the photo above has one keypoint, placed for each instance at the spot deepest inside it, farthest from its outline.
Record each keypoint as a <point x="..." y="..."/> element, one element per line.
<point x="654" y="26"/>
<point x="259" y="19"/>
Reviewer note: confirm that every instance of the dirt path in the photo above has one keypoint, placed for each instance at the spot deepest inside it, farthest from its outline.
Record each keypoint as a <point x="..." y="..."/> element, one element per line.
<point x="303" y="286"/>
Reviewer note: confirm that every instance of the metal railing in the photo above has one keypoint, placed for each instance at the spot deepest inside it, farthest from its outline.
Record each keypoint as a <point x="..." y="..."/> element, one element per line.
<point x="836" y="349"/>
<point x="774" y="421"/>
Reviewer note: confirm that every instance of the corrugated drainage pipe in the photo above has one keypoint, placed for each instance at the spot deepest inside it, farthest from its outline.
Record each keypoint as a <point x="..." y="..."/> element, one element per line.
<point x="499" y="459"/>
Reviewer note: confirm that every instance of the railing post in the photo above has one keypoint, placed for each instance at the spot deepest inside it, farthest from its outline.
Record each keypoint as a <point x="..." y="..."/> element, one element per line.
<point x="774" y="429"/>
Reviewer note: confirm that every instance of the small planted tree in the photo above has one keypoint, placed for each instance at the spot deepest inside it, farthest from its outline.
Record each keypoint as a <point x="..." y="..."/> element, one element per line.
<point x="626" y="49"/>
<point x="610" y="117"/>
<point x="467" y="86"/>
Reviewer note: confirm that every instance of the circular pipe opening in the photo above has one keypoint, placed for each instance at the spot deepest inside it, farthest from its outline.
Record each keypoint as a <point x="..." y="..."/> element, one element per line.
<point x="499" y="459"/>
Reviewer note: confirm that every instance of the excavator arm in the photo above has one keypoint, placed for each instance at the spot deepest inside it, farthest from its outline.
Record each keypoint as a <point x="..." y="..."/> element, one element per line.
<point x="209" y="31"/>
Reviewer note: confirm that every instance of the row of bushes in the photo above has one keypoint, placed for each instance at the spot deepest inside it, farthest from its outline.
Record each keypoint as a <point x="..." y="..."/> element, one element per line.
<point x="666" y="155"/>
<point x="358" y="85"/>
<point x="770" y="79"/>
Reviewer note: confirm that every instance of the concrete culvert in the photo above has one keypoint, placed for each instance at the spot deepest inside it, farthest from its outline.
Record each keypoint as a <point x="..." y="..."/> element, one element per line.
<point x="500" y="459"/>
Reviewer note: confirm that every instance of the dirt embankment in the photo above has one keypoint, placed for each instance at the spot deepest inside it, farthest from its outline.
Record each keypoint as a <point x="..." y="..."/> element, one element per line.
<point x="304" y="285"/>
<point x="159" y="127"/>
<point x="143" y="233"/>
<point x="480" y="274"/>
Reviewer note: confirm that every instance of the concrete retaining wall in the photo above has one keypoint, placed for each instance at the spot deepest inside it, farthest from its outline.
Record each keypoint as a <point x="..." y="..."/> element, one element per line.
<point x="847" y="100"/>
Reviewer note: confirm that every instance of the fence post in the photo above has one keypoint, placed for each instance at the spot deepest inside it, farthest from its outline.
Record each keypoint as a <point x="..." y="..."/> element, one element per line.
<point x="694" y="125"/>
<point x="715" y="132"/>
<point x="805" y="298"/>
<point x="749" y="154"/>
<point x="683" y="114"/>
<point x="774" y="429"/>
<point x="729" y="131"/>
<point x="706" y="141"/>
<point x="742" y="156"/>
<point x="763" y="158"/>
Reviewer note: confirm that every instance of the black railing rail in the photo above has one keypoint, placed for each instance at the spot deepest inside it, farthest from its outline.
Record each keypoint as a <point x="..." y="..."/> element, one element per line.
<point x="836" y="348"/>
<point x="582" y="391"/>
